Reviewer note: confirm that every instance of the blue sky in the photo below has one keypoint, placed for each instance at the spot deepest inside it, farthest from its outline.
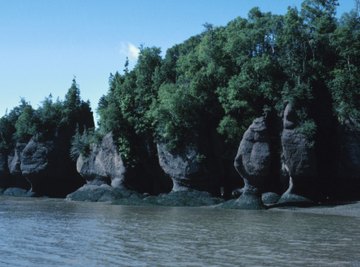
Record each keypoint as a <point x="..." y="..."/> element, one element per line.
<point x="45" y="43"/>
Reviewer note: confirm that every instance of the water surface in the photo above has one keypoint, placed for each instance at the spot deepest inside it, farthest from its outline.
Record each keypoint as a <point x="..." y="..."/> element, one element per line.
<point x="51" y="232"/>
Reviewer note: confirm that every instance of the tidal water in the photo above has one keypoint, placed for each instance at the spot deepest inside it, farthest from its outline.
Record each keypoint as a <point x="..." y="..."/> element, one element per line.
<point x="51" y="232"/>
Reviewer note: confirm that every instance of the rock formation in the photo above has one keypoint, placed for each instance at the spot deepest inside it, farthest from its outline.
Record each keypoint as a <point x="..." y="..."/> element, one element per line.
<point x="187" y="169"/>
<point x="299" y="159"/>
<point x="103" y="165"/>
<point x="253" y="163"/>
<point x="48" y="168"/>
<point x="14" y="163"/>
<point x="44" y="166"/>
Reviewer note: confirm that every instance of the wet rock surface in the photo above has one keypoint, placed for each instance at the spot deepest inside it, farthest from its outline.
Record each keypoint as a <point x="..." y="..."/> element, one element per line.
<point x="269" y="198"/>
<point x="17" y="192"/>
<point x="98" y="193"/>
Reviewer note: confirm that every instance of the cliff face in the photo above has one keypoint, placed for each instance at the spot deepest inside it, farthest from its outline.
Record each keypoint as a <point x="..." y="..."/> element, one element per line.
<point x="46" y="168"/>
<point x="103" y="165"/>
<point x="187" y="169"/>
<point x="299" y="159"/>
<point x="298" y="154"/>
<point x="13" y="164"/>
<point x="253" y="161"/>
<point x="43" y="167"/>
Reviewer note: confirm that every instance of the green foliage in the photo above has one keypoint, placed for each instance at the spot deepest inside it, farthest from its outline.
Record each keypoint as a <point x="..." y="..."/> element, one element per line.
<point x="7" y="126"/>
<point x="51" y="119"/>
<point x="345" y="91"/>
<point x="7" y="129"/>
<point x="27" y="124"/>
<point x="345" y="80"/>
<point x="176" y="115"/>
<point x="81" y="143"/>
<point x="231" y="129"/>
<point x="72" y="98"/>
<point x="216" y="82"/>
<point x="308" y="128"/>
<point x="50" y="114"/>
<point x="126" y="151"/>
<point x="75" y="111"/>
<point x="223" y="78"/>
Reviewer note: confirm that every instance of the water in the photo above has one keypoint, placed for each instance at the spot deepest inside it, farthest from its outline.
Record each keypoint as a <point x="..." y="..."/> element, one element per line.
<point x="50" y="232"/>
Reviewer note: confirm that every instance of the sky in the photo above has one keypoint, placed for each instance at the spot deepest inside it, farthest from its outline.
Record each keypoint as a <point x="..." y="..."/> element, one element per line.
<point x="44" y="44"/>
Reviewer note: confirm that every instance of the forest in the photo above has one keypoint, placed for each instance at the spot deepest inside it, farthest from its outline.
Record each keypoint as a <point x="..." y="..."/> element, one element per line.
<point x="221" y="79"/>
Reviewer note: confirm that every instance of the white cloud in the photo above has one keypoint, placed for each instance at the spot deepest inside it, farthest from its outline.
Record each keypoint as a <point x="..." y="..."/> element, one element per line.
<point x="133" y="51"/>
<point x="129" y="50"/>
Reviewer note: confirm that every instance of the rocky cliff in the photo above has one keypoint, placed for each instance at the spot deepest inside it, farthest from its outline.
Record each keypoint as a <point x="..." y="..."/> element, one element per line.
<point x="253" y="163"/>
<point x="299" y="159"/>
<point x="298" y="154"/>
<point x="44" y="166"/>
<point x="188" y="169"/>
<point x="103" y="165"/>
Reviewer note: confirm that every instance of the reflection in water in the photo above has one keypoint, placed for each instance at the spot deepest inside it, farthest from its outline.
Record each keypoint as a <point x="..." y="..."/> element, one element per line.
<point x="48" y="232"/>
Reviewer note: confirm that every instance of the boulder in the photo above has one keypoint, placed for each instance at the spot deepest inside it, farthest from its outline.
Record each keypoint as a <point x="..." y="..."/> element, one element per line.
<point x="98" y="193"/>
<point x="187" y="169"/>
<point x="299" y="159"/>
<point x="17" y="192"/>
<point x="103" y="165"/>
<point x="107" y="193"/>
<point x="270" y="198"/>
<point x="250" y="199"/>
<point x="253" y="162"/>
<point x="188" y="198"/>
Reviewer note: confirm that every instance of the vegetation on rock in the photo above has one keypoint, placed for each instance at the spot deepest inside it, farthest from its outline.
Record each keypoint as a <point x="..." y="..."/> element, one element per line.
<point x="221" y="79"/>
<point x="205" y="92"/>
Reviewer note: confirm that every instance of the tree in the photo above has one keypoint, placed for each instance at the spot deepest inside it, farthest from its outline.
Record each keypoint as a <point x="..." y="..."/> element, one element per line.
<point x="320" y="21"/>
<point x="76" y="111"/>
<point x="72" y="98"/>
<point x="50" y="114"/>
<point x="7" y="130"/>
<point x="345" y="80"/>
<point x="27" y="124"/>
<point x="137" y="93"/>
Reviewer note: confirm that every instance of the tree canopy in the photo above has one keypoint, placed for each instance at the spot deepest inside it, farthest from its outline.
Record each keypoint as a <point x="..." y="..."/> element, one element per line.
<point x="51" y="117"/>
<point x="224" y="77"/>
<point x="218" y="81"/>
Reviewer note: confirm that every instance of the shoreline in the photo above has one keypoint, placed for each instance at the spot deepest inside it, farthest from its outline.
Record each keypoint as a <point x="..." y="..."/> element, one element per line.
<point x="348" y="209"/>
